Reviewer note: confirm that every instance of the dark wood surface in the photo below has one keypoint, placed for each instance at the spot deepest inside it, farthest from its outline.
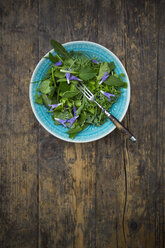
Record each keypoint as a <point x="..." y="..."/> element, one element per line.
<point x="104" y="194"/>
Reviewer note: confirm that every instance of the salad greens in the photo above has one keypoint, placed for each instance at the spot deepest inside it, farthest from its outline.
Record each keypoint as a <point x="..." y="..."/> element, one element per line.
<point x="66" y="104"/>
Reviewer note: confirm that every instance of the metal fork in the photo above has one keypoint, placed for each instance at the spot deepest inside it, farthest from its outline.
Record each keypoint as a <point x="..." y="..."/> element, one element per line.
<point x="89" y="95"/>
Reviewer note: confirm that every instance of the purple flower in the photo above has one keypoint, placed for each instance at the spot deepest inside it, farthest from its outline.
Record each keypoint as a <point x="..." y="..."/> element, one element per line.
<point x="72" y="120"/>
<point x="69" y="77"/>
<point x="74" y="110"/>
<point x="58" y="63"/>
<point x="66" y="106"/>
<point x="94" y="61"/>
<point x="61" y="121"/>
<point x="104" y="77"/>
<point x="74" y="78"/>
<point x="107" y="95"/>
<point x="53" y="106"/>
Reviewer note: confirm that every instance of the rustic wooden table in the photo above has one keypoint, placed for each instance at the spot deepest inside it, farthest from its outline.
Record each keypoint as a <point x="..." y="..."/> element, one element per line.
<point x="104" y="194"/>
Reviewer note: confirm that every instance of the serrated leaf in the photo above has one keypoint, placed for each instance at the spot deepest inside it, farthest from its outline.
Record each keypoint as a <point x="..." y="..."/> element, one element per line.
<point x="61" y="80"/>
<point x="38" y="99"/>
<point x="52" y="58"/>
<point x="87" y="73"/>
<point x="70" y="94"/>
<point x="63" y="87"/>
<point x="46" y="100"/>
<point x="114" y="81"/>
<point x="111" y="66"/>
<point x="63" y="115"/>
<point x="104" y="67"/>
<point x="45" y="87"/>
<point x="59" y="74"/>
<point x="69" y="62"/>
<point x="60" y="50"/>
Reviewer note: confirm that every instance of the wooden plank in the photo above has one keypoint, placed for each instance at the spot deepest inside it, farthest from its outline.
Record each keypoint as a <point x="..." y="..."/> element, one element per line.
<point x="159" y="204"/>
<point x="67" y="171"/>
<point x="18" y="127"/>
<point x="110" y="179"/>
<point x="143" y="180"/>
<point x="108" y="193"/>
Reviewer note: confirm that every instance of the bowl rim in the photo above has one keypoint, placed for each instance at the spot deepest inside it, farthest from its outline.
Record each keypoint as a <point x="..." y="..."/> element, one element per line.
<point x="125" y="109"/>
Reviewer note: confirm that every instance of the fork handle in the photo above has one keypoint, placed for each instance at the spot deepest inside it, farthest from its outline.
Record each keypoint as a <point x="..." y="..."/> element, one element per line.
<point x="120" y="126"/>
<point x="117" y="123"/>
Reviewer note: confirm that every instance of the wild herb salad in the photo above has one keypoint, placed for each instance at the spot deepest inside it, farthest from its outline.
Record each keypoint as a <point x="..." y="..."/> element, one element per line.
<point x="66" y="104"/>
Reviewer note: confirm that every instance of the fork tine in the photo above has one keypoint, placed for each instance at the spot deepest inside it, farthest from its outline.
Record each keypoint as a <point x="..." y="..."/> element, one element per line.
<point x="84" y="86"/>
<point x="83" y="91"/>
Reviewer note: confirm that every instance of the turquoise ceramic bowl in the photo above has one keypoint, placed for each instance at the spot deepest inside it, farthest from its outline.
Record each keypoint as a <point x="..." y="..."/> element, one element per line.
<point x="91" y="133"/>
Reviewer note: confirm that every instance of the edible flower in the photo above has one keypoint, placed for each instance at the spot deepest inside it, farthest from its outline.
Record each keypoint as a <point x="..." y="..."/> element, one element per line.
<point x="74" y="78"/>
<point x="69" y="77"/>
<point x="94" y="61"/>
<point x="61" y="121"/>
<point x="107" y="95"/>
<point x="66" y="106"/>
<point x="53" y="106"/>
<point x="104" y="77"/>
<point x="72" y="120"/>
<point x="58" y="63"/>
<point x="74" y="110"/>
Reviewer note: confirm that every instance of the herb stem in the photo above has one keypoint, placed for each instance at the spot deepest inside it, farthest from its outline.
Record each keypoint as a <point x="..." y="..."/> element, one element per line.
<point x="53" y="77"/>
<point x="73" y="72"/>
<point x="59" y="58"/>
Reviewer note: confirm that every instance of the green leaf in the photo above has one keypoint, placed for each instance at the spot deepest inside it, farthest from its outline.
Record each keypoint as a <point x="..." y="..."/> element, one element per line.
<point x="70" y="94"/>
<point x="75" y="130"/>
<point x="63" y="115"/>
<point x="82" y="118"/>
<point x="73" y="135"/>
<point x="114" y="81"/>
<point x="90" y="119"/>
<point x="61" y="80"/>
<point x="91" y="110"/>
<point x="104" y="67"/>
<point x="111" y="66"/>
<point x="85" y="126"/>
<point x="63" y="87"/>
<point x="60" y="50"/>
<point x="46" y="100"/>
<point x="45" y="88"/>
<point x="87" y="73"/>
<point x="51" y="93"/>
<point x="52" y="58"/>
<point x="125" y="85"/>
<point x="69" y="62"/>
<point x="38" y="99"/>
<point x="59" y="74"/>
<point x="122" y="74"/>
<point x="82" y="106"/>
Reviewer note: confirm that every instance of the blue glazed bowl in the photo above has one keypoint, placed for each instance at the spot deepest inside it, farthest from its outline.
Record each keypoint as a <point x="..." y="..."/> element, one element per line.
<point x="91" y="133"/>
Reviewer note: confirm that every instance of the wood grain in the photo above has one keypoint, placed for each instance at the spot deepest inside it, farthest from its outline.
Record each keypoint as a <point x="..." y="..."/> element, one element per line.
<point x="67" y="171"/>
<point x="18" y="127"/>
<point x="104" y="194"/>
<point x="141" y="160"/>
<point x="110" y="181"/>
